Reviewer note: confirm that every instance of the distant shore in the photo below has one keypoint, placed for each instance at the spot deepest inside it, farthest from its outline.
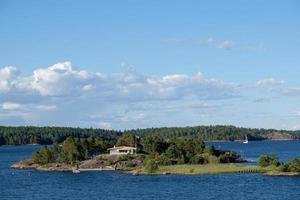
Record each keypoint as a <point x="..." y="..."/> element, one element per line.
<point x="239" y="141"/>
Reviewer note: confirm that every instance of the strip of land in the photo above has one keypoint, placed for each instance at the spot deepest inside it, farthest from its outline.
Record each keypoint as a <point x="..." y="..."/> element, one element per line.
<point x="204" y="169"/>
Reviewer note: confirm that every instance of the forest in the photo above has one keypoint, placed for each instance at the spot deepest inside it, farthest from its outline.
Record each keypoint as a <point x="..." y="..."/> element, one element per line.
<point x="23" y="135"/>
<point x="210" y="133"/>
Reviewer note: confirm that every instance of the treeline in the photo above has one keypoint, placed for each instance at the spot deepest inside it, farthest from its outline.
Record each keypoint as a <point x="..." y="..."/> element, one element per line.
<point x="209" y="133"/>
<point x="71" y="151"/>
<point x="48" y="135"/>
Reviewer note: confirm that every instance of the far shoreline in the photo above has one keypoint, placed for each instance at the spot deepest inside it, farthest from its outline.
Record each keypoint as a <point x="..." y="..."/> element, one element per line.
<point x="206" y="141"/>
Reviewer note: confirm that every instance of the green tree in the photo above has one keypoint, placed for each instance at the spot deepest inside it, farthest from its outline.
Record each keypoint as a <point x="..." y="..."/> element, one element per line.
<point x="151" y="166"/>
<point x="268" y="160"/>
<point x="154" y="144"/>
<point x="36" y="157"/>
<point x="46" y="156"/>
<point x="128" y="139"/>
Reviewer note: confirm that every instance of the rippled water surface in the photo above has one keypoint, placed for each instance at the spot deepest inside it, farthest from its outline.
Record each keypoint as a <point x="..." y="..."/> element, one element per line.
<point x="27" y="184"/>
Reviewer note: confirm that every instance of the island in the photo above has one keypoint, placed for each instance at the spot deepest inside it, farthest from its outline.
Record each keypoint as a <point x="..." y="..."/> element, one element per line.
<point x="150" y="155"/>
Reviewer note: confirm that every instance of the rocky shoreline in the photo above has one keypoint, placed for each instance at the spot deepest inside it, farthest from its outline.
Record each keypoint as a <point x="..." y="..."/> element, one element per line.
<point x="99" y="163"/>
<point x="95" y="165"/>
<point x="52" y="167"/>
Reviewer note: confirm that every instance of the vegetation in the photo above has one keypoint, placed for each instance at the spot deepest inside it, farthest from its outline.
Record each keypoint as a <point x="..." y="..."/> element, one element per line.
<point x="128" y="139"/>
<point x="268" y="160"/>
<point x="71" y="151"/>
<point x="209" y="133"/>
<point x="49" y="135"/>
<point x="271" y="160"/>
<point x="161" y="152"/>
<point x="157" y="155"/>
<point x="151" y="166"/>
<point x="158" y="151"/>
<point x="205" y="169"/>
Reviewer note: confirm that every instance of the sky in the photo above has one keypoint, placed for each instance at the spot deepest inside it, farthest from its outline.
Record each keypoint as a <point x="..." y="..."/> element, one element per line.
<point x="138" y="64"/>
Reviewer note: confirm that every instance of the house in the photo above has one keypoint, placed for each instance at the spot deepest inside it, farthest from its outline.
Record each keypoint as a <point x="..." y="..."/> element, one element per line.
<point x="122" y="150"/>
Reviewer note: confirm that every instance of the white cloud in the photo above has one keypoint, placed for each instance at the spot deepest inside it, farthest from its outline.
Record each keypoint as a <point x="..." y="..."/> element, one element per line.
<point x="88" y="87"/>
<point x="295" y="113"/>
<point x="296" y="127"/>
<point x="10" y="106"/>
<point x="225" y="44"/>
<point x="135" y="118"/>
<point x="269" y="83"/>
<point x="105" y="125"/>
<point x="80" y="94"/>
<point x="63" y="80"/>
<point x="56" y="80"/>
<point x="211" y="42"/>
<point x="46" y="107"/>
<point x="7" y="76"/>
<point x="292" y="91"/>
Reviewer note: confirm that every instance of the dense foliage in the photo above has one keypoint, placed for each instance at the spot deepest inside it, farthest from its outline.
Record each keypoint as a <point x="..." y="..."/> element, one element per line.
<point x="49" y="135"/>
<point x="183" y="151"/>
<point x="268" y="160"/>
<point x="272" y="160"/>
<point x="70" y="151"/>
<point x="158" y="149"/>
<point x="207" y="133"/>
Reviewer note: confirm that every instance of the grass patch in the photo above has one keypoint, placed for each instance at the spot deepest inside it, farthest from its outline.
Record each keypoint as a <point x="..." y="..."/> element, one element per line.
<point x="207" y="169"/>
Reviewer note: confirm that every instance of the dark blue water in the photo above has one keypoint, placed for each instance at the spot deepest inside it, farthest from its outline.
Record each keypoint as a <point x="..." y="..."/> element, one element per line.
<point x="27" y="184"/>
<point x="285" y="150"/>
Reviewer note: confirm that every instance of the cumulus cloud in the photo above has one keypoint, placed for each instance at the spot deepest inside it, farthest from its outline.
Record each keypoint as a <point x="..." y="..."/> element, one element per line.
<point x="64" y="80"/>
<point x="80" y="93"/>
<point x="211" y="42"/>
<point x="56" y="80"/>
<point x="7" y="77"/>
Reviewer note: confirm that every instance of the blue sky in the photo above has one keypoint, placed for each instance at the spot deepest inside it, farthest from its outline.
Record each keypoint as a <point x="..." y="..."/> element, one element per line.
<point x="128" y="64"/>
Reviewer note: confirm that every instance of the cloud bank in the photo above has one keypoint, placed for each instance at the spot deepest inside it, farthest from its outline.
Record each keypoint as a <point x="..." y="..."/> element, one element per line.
<point x="63" y="95"/>
<point x="62" y="89"/>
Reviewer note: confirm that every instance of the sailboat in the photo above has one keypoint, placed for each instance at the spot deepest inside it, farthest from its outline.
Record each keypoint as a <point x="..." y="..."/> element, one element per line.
<point x="246" y="140"/>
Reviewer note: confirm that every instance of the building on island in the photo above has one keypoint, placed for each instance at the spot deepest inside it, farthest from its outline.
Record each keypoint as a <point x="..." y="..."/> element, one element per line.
<point x="122" y="150"/>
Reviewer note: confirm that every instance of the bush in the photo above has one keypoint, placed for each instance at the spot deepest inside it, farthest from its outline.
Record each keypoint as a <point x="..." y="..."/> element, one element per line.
<point x="210" y="158"/>
<point x="165" y="160"/>
<point x="210" y="150"/>
<point x="263" y="161"/>
<point x="151" y="166"/>
<point x="284" y="168"/>
<point x="268" y="160"/>
<point x="224" y="159"/>
<point x="294" y="165"/>
<point x="197" y="159"/>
